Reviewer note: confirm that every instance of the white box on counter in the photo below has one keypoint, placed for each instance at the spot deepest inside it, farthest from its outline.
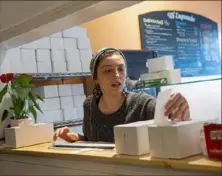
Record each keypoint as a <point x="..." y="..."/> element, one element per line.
<point x="26" y="135"/>
<point x="160" y="64"/>
<point x="70" y="43"/>
<point x="58" y="55"/>
<point x="29" y="67"/>
<point x="49" y="116"/>
<point x="56" y="43"/>
<point x="172" y="76"/>
<point x="43" y="43"/>
<point x="69" y="113"/>
<point x="28" y="55"/>
<point x="83" y="43"/>
<point x="75" y="32"/>
<point x="49" y="104"/>
<point x="43" y="55"/>
<point x="65" y="90"/>
<point x="77" y="89"/>
<point x="44" y="67"/>
<point x="78" y="100"/>
<point x="66" y="101"/>
<point x="47" y="91"/>
<point x="80" y="113"/>
<point x="132" y="138"/>
<point x="74" y="66"/>
<point x="175" y="141"/>
<point x="59" y="66"/>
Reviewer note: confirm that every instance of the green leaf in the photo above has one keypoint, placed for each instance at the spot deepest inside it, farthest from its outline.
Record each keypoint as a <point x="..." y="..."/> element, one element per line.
<point x="31" y="96"/>
<point x="3" y="92"/>
<point x="4" y="115"/>
<point x="40" y="98"/>
<point x="24" y="80"/>
<point x="33" y="111"/>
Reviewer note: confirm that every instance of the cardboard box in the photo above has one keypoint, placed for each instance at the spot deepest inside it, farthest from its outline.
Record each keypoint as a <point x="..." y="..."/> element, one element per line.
<point x="29" y="67"/>
<point x="69" y="113"/>
<point x="49" y="104"/>
<point x="72" y="55"/>
<point x="43" y="43"/>
<point x="86" y="56"/>
<point x="59" y="67"/>
<point x="78" y="100"/>
<point x="172" y="76"/>
<point x="44" y="67"/>
<point x="75" y="32"/>
<point x="74" y="66"/>
<point x="47" y="91"/>
<point x="70" y="43"/>
<point x="28" y="55"/>
<point x="160" y="64"/>
<point x="66" y="101"/>
<point x="58" y="55"/>
<point x="50" y="116"/>
<point x="43" y="55"/>
<point x="83" y="43"/>
<point x="27" y="135"/>
<point x="77" y="89"/>
<point x="65" y="90"/>
<point x="80" y="113"/>
<point x="176" y="141"/>
<point x="56" y="43"/>
<point x="132" y="138"/>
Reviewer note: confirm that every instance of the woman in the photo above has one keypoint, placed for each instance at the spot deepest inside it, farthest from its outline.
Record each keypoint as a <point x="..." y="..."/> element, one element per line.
<point x="110" y="105"/>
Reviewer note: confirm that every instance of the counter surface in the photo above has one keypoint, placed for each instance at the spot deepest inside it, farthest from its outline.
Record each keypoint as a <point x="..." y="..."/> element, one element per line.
<point x="198" y="163"/>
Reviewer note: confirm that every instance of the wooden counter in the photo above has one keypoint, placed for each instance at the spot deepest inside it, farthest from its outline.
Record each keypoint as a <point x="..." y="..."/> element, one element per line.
<point x="39" y="159"/>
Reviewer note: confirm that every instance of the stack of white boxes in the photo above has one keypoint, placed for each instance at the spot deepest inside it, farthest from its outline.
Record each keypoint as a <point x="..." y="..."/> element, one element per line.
<point x="162" y="67"/>
<point x="61" y="103"/>
<point x="66" y="51"/>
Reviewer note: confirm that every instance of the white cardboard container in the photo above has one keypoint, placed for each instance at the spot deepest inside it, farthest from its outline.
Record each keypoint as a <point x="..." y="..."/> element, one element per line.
<point x="72" y="55"/>
<point x="43" y="55"/>
<point x="59" y="67"/>
<point x="26" y="135"/>
<point x="83" y="43"/>
<point x="44" y="67"/>
<point x="49" y="104"/>
<point x="50" y="116"/>
<point x="172" y="76"/>
<point x="65" y="90"/>
<point x="56" y="43"/>
<point x="85" y="56"/>
<point x="132" y="138"/>
<point x="47" y="91"/>
<point x="175" y="141"/>
<point x="78" y="100"/>
<point x="69" y="113"/>
<point x="58" y="55"/>
<point x="66" y="101"/>
<point x="160" y="64"/>
<point x="70" y="43"/>
<point x="77" y="89"/>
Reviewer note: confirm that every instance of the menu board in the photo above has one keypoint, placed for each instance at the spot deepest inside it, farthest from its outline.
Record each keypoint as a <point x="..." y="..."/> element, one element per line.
<point x="191" y="39"/>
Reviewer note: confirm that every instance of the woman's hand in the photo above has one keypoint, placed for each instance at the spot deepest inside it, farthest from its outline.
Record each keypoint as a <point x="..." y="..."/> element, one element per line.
<point x="177" y="107"/>
<point x="66" y="134"/>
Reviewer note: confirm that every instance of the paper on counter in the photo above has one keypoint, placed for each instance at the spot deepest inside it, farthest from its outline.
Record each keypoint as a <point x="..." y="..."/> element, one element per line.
<point x="159" y="118"/>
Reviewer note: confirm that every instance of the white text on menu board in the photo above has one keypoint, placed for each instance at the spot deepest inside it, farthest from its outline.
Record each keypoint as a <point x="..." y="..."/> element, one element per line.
<point x="177" y="15"/>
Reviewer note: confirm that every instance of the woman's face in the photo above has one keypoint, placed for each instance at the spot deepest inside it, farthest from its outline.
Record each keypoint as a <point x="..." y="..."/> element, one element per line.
<point x="111" y="74"/>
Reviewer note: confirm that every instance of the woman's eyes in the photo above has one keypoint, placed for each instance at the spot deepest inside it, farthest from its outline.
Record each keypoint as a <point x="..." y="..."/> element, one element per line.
<point x="111" y="70"/>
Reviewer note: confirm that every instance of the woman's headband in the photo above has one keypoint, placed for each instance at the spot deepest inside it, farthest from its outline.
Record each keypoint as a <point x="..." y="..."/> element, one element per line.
<point x="96" y="56"/>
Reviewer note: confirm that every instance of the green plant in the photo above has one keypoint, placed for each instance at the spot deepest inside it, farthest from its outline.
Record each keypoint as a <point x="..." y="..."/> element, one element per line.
<point x="19" y="92"/>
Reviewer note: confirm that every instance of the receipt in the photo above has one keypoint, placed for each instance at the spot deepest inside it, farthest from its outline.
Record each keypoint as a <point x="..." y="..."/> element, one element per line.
<point x="159" y="118"/>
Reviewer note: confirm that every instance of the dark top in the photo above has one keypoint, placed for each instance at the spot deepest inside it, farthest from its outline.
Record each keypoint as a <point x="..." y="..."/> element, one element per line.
<point x="99" y="127"/>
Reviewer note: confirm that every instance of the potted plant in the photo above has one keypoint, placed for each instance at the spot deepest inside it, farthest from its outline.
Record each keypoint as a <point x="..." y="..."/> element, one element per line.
<point x="23" y="101"/>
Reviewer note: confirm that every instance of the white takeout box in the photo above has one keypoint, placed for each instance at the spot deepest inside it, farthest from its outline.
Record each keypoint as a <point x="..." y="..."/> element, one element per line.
<point x="176" y="141"/>
<point x="132" y="138"/>
<point x="26" y="135"/>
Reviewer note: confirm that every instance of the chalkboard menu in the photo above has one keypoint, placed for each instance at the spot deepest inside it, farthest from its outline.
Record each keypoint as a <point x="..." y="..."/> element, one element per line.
<point x="191" y="39"/>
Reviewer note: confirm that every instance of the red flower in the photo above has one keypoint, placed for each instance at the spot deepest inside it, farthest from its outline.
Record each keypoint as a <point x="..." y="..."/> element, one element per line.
<point x="5" y="78"/>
